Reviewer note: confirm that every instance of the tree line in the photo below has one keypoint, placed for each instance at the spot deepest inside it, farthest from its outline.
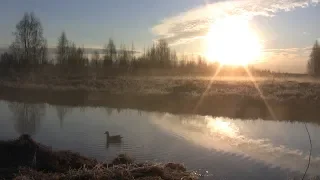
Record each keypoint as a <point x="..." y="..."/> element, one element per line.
<point x="29" y="53"/>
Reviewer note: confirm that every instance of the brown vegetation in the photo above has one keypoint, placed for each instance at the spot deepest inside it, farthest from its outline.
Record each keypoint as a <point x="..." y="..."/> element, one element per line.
<point x="25" y="159"/>
<point x="288" y="99"/>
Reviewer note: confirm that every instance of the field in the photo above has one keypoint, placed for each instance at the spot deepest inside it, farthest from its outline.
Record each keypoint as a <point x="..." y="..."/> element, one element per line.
<point x="272" y="98"/>
<point x="281" y="88"/>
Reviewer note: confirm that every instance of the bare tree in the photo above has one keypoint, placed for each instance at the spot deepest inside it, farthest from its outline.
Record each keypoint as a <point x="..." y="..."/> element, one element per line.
<point x="110" y="53"/>
<point x="95" y="60"/>
<point x="163" y="53"/>
<point x="174" y="59"/>
<point x="314" y="61"/>
<point x="123" y="56"/>
<point x="29" y="47"/>
<point x="76" y="56"/>
<point x="62" y="49"/>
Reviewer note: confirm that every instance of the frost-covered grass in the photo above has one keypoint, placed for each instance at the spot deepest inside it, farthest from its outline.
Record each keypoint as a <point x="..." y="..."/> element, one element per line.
<point x="132" y="171"/>
<point x="271" y="88"/>
<point x="272" y="98"/>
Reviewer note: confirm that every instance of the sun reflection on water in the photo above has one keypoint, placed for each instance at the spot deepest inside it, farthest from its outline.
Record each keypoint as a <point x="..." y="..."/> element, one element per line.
<point x="222" y="127"/>
<point x="225" y="135"/>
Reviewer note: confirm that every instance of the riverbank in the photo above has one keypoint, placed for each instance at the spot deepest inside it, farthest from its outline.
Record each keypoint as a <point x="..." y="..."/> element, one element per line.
<point x="23" y="159"/>
<point x="273" y="99"/>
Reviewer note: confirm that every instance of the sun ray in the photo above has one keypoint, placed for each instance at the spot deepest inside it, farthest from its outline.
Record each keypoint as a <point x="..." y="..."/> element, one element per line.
<point x="231" y="41"/>
<point x="207" y="88"/>
<point x="251" y="79"/>
<point x="260" y="93"/>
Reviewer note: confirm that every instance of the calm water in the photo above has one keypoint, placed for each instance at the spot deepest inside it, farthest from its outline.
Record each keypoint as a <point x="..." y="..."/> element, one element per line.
<point x="218" y="147"/>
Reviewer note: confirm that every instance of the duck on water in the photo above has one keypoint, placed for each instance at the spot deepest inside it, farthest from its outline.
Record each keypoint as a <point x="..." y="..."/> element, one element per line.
<point x="113" y="139"/>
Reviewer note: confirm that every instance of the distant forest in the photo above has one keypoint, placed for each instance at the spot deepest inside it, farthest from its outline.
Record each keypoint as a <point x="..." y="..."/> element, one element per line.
<point x="29" y="53"/>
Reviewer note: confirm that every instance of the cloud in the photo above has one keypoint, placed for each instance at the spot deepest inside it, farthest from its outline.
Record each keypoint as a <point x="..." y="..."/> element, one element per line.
<point x="289" y="50"/>
<point x="292" y="60"/>
<point x="194" y="24"/>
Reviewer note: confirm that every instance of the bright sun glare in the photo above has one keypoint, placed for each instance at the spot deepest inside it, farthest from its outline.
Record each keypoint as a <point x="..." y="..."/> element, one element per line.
<point x="219" y="126"/>
<point x="231" y="41"/>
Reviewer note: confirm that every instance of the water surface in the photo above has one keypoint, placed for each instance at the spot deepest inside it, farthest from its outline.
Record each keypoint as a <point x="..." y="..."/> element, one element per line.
<point x="215" y="146"/>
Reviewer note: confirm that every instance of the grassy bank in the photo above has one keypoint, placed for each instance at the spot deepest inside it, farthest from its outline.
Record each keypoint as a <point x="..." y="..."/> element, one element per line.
<point x="24" y="159"/>
<point x="283" y="99"/>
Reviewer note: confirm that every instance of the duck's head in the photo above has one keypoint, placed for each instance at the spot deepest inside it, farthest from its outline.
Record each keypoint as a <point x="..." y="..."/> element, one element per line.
<point x="107" y="132"/>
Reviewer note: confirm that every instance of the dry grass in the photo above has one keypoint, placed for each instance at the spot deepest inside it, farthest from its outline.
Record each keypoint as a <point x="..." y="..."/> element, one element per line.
<point x="288" y="98"/>
<point x="133" y="171"/>
<point x="272" y="88"/>
<point x="24" y="159"/>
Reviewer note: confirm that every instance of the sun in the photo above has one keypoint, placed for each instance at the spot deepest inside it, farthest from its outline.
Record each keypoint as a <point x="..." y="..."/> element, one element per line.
<point x="231" y="41"/>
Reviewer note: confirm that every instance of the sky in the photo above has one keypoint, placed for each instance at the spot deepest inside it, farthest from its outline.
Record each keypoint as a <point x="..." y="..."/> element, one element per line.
<point x="287" y="29"/>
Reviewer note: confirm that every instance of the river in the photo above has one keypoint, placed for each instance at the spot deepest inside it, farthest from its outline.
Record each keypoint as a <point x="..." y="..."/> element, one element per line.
<point x="216" y="147"/>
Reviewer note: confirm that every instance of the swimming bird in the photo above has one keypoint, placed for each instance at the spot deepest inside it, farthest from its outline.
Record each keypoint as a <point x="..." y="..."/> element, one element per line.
<point x="113" y="139"/>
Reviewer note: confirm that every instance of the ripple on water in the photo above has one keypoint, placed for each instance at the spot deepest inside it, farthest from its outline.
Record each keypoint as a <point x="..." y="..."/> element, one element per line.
<point x="216" y="147"/>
